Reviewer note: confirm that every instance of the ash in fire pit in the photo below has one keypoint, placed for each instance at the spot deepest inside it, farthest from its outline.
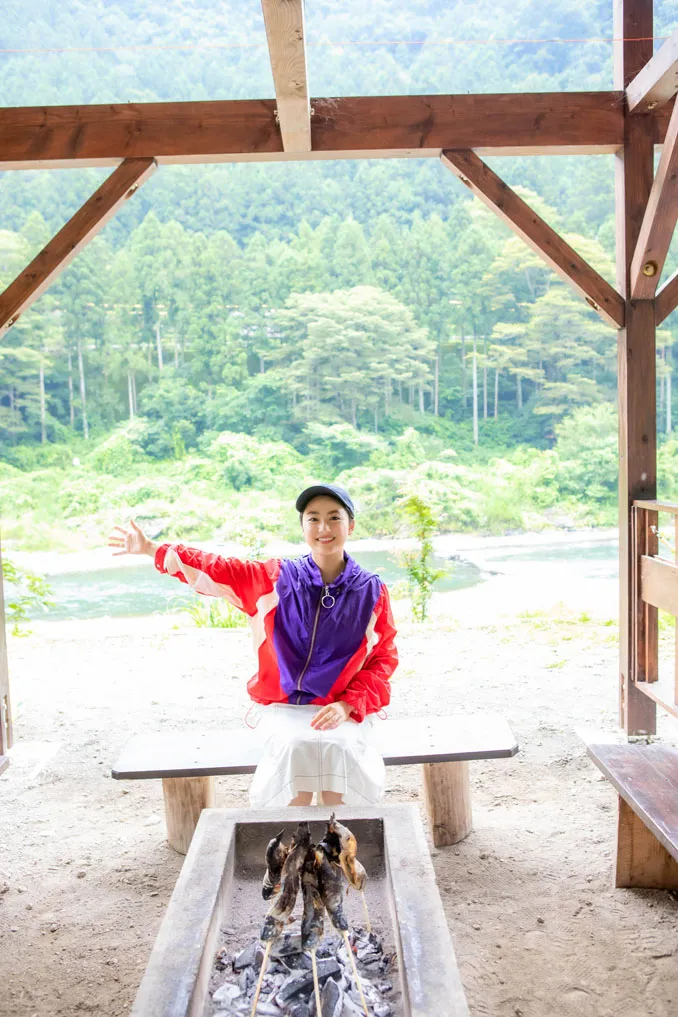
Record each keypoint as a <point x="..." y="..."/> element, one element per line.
<point x="308" y="974"/>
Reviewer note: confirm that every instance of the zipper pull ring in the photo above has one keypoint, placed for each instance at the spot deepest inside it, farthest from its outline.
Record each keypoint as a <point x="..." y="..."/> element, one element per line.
<point x="327" y="600"/>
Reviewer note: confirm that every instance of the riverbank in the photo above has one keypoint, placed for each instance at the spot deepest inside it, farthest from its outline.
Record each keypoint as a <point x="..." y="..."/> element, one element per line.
<point x="472" y="547"/>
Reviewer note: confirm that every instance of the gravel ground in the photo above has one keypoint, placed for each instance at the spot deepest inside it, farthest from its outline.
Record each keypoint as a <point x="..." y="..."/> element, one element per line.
<point x="539" y="931"/>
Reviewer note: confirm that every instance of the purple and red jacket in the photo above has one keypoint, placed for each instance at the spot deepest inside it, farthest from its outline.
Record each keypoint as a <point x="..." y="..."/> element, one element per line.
<point x="309" y="649"/>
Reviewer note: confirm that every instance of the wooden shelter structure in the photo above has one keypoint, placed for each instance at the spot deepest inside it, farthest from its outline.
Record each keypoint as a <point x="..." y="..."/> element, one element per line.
<point x="459" y="130"/>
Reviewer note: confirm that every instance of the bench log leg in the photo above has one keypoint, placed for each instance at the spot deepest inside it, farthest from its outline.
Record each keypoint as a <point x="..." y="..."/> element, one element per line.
<point x="185" y="798"/>
<point x="641" y="860"/>
<point x="447" y="792"/>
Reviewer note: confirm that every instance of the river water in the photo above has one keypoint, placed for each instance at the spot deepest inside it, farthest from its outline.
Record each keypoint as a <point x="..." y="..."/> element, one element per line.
<point x="140" y="590"/>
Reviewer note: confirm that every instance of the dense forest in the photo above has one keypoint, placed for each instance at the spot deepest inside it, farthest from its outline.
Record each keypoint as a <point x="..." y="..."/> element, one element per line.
<point x="340" y="313"/>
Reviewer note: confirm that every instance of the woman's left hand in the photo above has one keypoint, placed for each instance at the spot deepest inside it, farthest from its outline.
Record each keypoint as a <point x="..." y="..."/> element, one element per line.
<point x="331" y="716"/>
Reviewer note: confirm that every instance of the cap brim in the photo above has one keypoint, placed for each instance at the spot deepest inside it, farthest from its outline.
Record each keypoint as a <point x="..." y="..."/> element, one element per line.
<point x="317" y="491"/>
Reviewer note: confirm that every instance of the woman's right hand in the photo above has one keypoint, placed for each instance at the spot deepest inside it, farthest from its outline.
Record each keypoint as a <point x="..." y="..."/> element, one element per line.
<point x="132" y="540"/>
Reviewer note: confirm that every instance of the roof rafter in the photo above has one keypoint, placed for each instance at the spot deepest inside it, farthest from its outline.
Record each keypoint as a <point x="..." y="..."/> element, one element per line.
<point x="71" y="238"/>
<point x="659" y="220"/>
<point x="284" y="20"/>
<point x="657" y="82"/>
<point x="537" y="234"/>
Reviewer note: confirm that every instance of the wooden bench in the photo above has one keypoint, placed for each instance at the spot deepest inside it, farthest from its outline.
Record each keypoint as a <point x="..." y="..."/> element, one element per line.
<point x="188" y="762"/>
<point x="646" y="777"/>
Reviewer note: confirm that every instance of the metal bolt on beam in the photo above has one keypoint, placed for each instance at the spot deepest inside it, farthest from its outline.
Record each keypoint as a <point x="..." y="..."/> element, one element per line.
<point x="650" y="268"/>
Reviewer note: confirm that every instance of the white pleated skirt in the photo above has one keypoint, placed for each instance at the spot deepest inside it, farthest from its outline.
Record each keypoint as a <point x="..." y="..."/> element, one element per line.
<point x="298" y="758"/>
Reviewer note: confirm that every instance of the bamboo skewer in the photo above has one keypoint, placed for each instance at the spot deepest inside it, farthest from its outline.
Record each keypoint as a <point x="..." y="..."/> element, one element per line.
<point x="316" y="984"/>
<point x="264" y="965"/>
<point x="368" y="924"/>
<point x="355" y="974"/>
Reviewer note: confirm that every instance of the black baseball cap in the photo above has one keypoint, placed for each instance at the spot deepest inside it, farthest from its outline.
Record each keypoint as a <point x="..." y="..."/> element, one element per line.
<point x="339" y="494"/>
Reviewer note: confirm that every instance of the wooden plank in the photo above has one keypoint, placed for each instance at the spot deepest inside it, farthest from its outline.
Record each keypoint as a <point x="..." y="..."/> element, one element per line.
<point x="634" y="173"/>
<point x="667" y="299"/>
<point x="657" y="506"/>
<point x="646" y="777"/>
<point x="536" y="233"/>
<point x="284" y="20"/>
<point x="96" y="135"/>
<point x="401" y="742"/>
<point x="659" y="584"/>
<point x="642" y="861"/>
<point x="71" y="239"/>
<point x="6" y="733"/>
<point x="662" y="694"/>
<point x="659" y="220"/>
<point x="657" y="82"/>
<point x="4" y="763"/>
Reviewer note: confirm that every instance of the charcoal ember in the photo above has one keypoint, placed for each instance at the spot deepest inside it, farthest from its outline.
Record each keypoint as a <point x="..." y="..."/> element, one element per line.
<point x="388" y="963"/>
<point x="268" y="1008"/>
<point x="251" y="956"/>
<point x="297" y="962"/>
<point x="331" y="999"/>
<point x="385" y="987"/>
<point x="246" y="980"/>
<point x="226" y="994"/>
<point x="286" y="945"/>
<point x="299" y="983"/>
<point x="382" y="1010"/>
<point x="329" y="947"/>
<point x="299" y="1010"/>
<point x="350" y="1008"/>
<point x="222" y="959"/>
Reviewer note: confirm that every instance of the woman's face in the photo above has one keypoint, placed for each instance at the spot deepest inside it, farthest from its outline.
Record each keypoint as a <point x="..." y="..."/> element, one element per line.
<point x="326" y="526"/>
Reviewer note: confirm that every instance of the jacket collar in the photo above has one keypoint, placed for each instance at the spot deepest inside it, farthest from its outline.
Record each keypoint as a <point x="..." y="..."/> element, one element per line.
<point x="313" y="572"/>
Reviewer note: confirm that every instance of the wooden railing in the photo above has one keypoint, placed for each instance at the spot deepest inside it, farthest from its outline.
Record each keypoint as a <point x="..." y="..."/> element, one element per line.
<point x="654" y="587"/>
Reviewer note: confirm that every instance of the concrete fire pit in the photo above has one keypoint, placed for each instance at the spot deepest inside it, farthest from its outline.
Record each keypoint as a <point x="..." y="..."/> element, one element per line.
<point x="217" y="903"/>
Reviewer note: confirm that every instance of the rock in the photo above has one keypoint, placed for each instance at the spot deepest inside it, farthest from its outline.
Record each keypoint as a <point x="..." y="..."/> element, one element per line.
<point x="226" y="994"/>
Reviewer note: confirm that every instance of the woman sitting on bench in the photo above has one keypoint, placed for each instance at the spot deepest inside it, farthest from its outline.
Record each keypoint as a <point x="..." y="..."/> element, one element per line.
<point x="324" y="636"/>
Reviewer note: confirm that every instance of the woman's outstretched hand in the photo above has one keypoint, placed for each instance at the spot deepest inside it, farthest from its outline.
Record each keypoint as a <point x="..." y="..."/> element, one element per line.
<point x="131" y="540"/>
<point x="331" y="716"/>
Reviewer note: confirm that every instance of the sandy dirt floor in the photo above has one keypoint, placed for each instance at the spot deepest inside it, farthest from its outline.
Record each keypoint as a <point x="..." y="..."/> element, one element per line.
<point x="85" y="873"/>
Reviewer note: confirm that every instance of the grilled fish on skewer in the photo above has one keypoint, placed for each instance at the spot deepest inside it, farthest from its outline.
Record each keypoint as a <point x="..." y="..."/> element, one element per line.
<point x="312" y="922"/>
<point x="276" y="853"/>
<point x="350" y="866"/>
<point x="330" y="887"/>
<point x="331" y="842"/>
<point x="291" y="872"/>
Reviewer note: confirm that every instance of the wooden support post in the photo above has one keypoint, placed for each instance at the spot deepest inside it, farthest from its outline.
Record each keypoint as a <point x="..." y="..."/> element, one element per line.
<point x="641" y="860"/>
<point x="634" y="173"/>
<point x="185" y="798"/>
<point x="447" y="792"/>
<point x="6" y="739"/>
<point x="657" y="81"/>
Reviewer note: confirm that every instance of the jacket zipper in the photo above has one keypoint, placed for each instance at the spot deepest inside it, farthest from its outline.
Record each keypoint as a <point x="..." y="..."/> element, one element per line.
<point x="324" y="594"/>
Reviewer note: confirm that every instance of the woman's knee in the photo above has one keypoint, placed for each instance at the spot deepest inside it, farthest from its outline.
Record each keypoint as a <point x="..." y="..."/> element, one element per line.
<point x="330" y="798"/>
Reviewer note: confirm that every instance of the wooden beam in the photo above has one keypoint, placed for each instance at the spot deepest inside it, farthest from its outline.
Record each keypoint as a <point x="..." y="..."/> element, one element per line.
<point x="558" y="254"/>
<point x="667" y="299"/>
<point x="386" y="126"/>
<point x="657" y="82"/>
<point x="284" y="20"/>
<point x="6" y="735"/>
<point x="659" y="221"/>
<point x="71" y="238"/>
<point x="634" y="172"/>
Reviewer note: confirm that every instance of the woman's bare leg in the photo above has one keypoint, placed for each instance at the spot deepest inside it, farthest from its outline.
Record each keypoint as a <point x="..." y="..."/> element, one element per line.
<point x="330" y="798"/>
<point x="303" y="798"/>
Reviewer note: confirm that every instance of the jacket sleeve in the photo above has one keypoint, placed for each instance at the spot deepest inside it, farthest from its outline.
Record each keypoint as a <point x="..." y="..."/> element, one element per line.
<point x="370" y="689"/>
<point x="241" y="583"/>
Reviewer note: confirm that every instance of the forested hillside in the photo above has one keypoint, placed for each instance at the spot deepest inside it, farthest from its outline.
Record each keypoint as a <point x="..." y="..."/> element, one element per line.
<point x="285" y="301"/>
